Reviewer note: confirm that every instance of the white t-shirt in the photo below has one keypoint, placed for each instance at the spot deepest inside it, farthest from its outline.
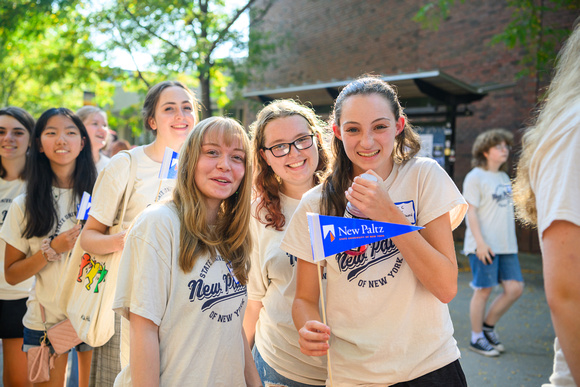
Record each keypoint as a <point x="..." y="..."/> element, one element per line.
<point x="45" y="288"/>
<point x="112" y="181"/>
<point x="386" y="327"/>
<point x="8" y="191"/>
<point x="272" y="281"/>
<point x="102" y="163"/>
<point x="491" y="193"/>
<point x="555" y="181"/>
<point x="199" y="314"/>
<point x="108" y="196"/>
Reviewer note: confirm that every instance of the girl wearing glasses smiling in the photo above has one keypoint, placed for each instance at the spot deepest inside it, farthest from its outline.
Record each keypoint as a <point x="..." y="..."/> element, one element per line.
<point x="289" y="159"/>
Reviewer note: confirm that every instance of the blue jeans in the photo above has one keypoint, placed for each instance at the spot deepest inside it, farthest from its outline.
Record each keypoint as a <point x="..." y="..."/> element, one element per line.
<point x="503" y="267"/>
<point x="269" y="376"/>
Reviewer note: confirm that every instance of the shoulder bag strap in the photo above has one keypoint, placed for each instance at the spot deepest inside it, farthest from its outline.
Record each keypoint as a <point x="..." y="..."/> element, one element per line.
<point x="130" y="184"/>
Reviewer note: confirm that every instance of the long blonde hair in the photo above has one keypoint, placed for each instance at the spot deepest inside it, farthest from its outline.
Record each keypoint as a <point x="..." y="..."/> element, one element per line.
<point x="563" y="94"/>
<point x="230" y="237"/>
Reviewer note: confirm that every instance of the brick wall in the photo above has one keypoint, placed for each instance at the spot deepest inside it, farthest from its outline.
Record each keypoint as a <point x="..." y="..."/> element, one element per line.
<point x="326" y="40"/>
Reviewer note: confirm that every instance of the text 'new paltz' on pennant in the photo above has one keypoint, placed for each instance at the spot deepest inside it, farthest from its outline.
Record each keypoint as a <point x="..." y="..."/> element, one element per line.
<point x="331" y="235"/>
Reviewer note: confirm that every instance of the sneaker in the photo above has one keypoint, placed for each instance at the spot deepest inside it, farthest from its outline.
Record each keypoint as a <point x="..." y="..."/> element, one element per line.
<point x="483" y="347"/>
<point x="493" y="339"/>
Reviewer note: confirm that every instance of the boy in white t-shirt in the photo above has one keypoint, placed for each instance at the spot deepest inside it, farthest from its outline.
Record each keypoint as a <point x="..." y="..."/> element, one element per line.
<point x="490" y="239"/>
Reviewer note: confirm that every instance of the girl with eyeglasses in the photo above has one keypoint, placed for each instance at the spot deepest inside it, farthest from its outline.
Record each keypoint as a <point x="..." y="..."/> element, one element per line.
<point x="490" y="239"/>
<point x="289" y="159"/>
<point x="388" y="321"/>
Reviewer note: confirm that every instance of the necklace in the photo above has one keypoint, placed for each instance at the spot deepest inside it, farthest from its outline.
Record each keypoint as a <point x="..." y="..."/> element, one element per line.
<point x="59" y="193"/>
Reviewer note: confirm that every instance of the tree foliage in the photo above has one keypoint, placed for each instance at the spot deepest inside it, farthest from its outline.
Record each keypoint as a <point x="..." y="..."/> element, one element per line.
<point x="182" y="36"/>
<point x="526" y="29"/>
<point x="45" y="56"/>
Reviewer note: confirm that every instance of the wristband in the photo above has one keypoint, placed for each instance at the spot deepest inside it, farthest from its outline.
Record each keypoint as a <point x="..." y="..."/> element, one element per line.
<point x="48" y="252"/>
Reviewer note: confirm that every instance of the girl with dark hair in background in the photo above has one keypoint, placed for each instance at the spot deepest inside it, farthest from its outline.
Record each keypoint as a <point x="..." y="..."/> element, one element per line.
<point x="16" y="127"/>
<point x="40" y="226"/>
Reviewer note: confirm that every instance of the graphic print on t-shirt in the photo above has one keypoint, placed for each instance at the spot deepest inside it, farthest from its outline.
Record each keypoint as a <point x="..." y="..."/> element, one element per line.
<point x="377" y="255"/>
<point x="212" y="294"/>
<point x="502" y="194"/>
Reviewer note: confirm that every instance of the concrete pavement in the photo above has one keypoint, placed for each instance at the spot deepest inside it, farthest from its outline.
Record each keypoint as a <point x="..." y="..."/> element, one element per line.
<point x="525" y="330"/>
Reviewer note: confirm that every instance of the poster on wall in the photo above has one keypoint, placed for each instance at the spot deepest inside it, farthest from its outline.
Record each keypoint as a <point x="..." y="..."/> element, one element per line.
<point x="432" y="143"/>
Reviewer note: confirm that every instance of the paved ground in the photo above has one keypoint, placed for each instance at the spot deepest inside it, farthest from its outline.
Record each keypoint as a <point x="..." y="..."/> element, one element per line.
<point x="526" y="331"/>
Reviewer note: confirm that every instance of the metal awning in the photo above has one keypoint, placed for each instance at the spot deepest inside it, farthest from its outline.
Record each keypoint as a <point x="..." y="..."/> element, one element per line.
<point x="432" y="84"/>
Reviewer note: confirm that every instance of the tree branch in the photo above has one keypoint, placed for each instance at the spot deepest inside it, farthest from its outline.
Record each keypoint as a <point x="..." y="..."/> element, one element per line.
<point x="128" y="49"/>
<point x="225" y="30"/>
<point x="151" y="32"/>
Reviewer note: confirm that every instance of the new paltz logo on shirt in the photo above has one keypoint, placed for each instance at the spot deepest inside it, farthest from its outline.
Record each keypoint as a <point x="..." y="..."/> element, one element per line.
<point x="213" y="293"/>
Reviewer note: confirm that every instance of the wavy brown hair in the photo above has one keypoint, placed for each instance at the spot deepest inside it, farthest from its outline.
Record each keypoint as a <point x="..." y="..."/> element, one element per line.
<point x="407" y="143"/>
<point x="563" y="95"/>
<point x="487" y="140"/>
<point x="266" y="183"/>
<point x="230" y="238"/>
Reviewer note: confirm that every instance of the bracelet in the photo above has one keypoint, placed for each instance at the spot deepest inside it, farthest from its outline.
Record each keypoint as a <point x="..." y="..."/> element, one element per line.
<point x="48" y="252"/>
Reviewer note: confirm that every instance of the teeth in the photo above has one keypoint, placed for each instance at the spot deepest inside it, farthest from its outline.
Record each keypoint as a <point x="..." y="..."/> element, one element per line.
<point x="61" y="151"/>
<point x="180" y="126"/>
<point x="368" y="154"/>
<point x="221" y="180"/>
<point x="298" y="164"/>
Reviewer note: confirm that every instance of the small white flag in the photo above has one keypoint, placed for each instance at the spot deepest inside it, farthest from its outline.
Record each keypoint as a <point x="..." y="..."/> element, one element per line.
<point x="169" y="165"/>
<point x="84" y="207"/>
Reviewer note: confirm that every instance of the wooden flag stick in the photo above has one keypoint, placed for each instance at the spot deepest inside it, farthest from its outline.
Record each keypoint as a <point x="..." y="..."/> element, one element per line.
<point x="158" y="190"/>
<point x="324" y="319"/>
<point x="70" y="251"/>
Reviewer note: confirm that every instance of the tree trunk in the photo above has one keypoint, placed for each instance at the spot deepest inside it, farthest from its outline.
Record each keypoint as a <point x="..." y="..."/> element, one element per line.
<point x="206" y="110"/>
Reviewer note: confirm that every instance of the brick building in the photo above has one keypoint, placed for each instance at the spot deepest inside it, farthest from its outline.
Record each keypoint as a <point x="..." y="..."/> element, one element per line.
<point x="448" y="79"/>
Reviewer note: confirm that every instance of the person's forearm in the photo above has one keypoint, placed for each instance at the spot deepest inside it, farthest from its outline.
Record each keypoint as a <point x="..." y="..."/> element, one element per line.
<point x="250" y="372"/>
<point x="18" y="268"/>
<point x="144" y="352"/>
<point x="561" y="257"/>
<point x="250" y="319"/>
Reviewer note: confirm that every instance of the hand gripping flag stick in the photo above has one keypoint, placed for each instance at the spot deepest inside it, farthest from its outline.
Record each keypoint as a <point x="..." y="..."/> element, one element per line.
<point x="330" y="235"/>
<point x="82" y="213"/>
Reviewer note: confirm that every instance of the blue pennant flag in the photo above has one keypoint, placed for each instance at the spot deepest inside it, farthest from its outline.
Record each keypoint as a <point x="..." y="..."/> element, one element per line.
<point x="169" y="165"/>
<point x="84" y="207"/>
<point x="330" y="235"/>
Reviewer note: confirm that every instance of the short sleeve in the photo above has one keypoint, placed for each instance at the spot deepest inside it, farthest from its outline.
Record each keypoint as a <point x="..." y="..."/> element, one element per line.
<point x="471" y="189"/>
<point x="258" y="281"/>
<point x="13" y="226"/>
<point x="439" y="195"/>
<point x="143" y="285"/>
<point x="296" y="240"/>
<point x="109" y="189"/>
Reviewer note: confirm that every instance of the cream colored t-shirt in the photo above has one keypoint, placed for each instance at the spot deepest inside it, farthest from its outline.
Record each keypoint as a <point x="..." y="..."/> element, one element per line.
<point x="102" y="163"/>
<point x="8" y="191"/>
<point x="555" y="180"/>
<point x="45" y="288"/>
<point x="386" y="327"/>
<point x="273" y="282"/>
<point x="108" y="195"/>
<point x="199" y="314"/>
<point x="491" y="193"/>
<point x="112" y="181"/>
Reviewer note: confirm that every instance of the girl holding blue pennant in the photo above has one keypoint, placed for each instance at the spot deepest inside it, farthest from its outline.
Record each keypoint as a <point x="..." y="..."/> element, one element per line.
<point x="185" y="267"/>
<point x="387" y="314"/>
<point x="290" y="158"/>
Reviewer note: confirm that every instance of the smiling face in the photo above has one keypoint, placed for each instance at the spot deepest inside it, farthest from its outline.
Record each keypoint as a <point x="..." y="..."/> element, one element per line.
<point x="98" y="129"/>
<point x="367" y="130"/>
<point x="220" y="168"/>
<point x="14" y="138"/>
<point x="296" y="169"/>
<point x="174" y="116"/>
<point x="61" y="141"/>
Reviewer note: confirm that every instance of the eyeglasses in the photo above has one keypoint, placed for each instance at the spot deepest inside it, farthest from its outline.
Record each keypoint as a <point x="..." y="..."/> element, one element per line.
<point x="281" y="150"/>
<point x="502" y="146"/>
